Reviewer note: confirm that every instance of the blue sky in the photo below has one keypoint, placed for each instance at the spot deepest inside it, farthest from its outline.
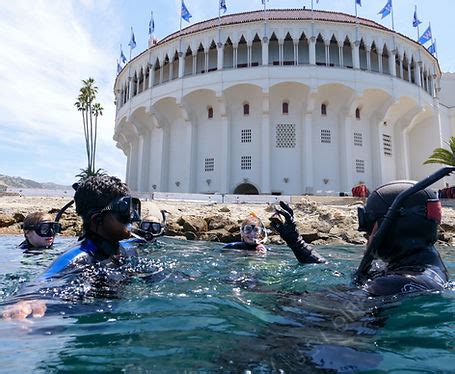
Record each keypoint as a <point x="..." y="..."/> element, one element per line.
<point x="49" y="46"/>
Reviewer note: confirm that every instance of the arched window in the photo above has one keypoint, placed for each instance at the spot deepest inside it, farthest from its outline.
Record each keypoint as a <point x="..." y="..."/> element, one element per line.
<point x="246" y="109"/>
<point x="323" y="109"/>
<point x="285" y="107"/>
<point x="209" y="112"/>
<point x="357" y="113"/>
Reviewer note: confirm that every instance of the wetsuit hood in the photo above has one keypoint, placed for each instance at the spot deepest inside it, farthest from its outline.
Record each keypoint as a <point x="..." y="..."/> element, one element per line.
<point x="415" y="224"/>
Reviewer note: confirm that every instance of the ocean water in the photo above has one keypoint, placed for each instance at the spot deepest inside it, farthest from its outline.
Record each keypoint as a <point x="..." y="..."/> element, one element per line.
<point x="190" y="307"/>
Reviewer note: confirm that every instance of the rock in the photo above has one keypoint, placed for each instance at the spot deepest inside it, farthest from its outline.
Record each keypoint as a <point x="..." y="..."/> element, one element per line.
<point x="218" y="222"/>
<point x="220" y="235"/>
<point x="18" y="217"/>
<point x="225" y="209"/>
<point x="6" y="220"/>
<point x="190" y="235"/>
<point x="196" y="224"/>
<point x="310" y="236"/>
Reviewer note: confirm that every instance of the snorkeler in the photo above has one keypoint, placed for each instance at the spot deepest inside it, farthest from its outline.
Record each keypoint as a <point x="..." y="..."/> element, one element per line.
<point x="407" y="249"/>
<point x="252" y="233"/>
<point x="151" y="226"/>
<point x="39" y="231"/>
<point x="107" y="211"/>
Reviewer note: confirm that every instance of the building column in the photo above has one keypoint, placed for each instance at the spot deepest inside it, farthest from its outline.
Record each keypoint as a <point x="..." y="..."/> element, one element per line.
<point x="312" y="50"/>
<point x="368" y="51"/>
<point x="129" y="153"/>
<point x="206" y="60"/>
<point x="234" y="55"/>
<point x="161" y="74"/>
<point x="249" y="56"/>
<point x="194" y="66"/>
<point x="296" y="51"/>
<point x="346" y="145"/>
<point x="417" y="75"/>
<point x="130" y="88"/>
<point x="191" y="154"/>
<point x="265" y="51"/>
<point x="181" y="65"/>
<point x="392" y="64"/>
<point x="340" y="55"/>
<point x="171" y="71"/>
<point x="381" y="68"/>
<point x="140" y="162"/>
<point x="327" y="53"/>
<point x="225" y="159"/>
<point x="220" y="56"/>
<point x="409" y="73"/>
<point x="307" y="161"/>
<point x="355" y="55"/>
<point x="265" y="132"/>
<point x="280" y="51"/>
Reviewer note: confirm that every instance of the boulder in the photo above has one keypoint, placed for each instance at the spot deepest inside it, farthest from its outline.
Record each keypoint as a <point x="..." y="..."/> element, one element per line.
<point x="194" y="224"/>
<point x="18" y="217"/>
<point x="6" y="220"/>
<point x="218" y="222"/>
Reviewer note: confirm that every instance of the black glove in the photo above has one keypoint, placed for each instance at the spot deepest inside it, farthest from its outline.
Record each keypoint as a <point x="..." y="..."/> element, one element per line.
<point x="288" y="231"/>
<point x="285" y="226"/>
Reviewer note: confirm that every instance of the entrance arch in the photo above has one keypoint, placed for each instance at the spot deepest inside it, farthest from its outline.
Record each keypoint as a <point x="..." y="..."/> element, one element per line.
<point x="246" y="189"/>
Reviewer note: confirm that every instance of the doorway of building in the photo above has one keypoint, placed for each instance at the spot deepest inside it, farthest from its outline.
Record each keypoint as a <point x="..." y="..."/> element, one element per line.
<point x="246" y="189"/>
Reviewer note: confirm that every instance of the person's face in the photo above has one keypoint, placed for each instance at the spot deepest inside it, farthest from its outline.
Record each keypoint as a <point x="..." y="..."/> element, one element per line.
<point x="112" y="229"/>
<point x="251" y="234"/>
<point x="39" y="241"/>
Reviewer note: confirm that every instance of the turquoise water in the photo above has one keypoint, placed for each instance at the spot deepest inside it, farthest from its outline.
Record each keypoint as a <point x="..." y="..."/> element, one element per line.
<point x="190" y="307"/>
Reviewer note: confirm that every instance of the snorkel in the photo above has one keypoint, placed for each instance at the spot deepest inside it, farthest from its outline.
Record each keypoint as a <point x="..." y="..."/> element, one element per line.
<point x="389" y="218"/>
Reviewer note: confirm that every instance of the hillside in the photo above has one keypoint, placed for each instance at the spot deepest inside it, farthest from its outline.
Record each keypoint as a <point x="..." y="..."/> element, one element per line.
<point x="18" y="182"/>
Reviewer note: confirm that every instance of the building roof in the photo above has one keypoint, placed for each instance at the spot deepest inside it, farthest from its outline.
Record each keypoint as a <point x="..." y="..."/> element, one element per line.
<point x="273" y="15"/>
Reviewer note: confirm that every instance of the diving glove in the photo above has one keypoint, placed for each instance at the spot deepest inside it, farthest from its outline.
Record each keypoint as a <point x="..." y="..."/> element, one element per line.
<point x="283" y="222"/>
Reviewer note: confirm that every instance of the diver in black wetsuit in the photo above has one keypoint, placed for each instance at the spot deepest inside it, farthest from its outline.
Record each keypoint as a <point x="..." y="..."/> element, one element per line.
<point x="253" y="234"/>
<point x="412" y="263"/>
<point x="107" y="212"/>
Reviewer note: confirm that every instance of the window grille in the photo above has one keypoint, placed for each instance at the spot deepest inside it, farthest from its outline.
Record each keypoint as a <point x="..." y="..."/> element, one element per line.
<point x="387" y="143"/>
<point x="326" y="137"/>
<point x="245" y="163"/>
<point x="209" y="164"/>
<point x="358" y="139"/>
<point x="285" y="135"/>
<point x="245" y="136"/>
<point x="360" y="166"/>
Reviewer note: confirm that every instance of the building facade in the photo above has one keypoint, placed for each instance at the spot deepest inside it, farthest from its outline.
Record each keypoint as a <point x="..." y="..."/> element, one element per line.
<point x="294" y="103"/>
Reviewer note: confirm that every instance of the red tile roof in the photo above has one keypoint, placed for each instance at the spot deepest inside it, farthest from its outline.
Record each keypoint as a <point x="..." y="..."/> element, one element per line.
<point x="273" y="14"/>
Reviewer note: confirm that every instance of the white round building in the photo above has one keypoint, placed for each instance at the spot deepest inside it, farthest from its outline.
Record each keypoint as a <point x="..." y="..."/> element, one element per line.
<point x="297" y="103"/>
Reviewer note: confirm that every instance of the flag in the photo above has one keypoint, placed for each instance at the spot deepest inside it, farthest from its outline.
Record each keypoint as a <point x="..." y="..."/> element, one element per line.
<point x="415" y="22"/>
<point x="386" y="10"/>
<point x="432" y="48"/>
<point x="426" y="36"/>
<point x="151" y="25"/>
<point x="122" y="56"/>
<point x="132" y="42"/>
<point x="119" y="67"/>
<point x="186" y="15"/>
<point x="358" y="2"/>
<point x="223" y="6"/>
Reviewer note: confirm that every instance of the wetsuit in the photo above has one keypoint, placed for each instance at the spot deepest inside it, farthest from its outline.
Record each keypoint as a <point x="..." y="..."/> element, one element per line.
<point x="92" y="249"/>
<point x="27" y="247"/>
<point x="421" y="271"/>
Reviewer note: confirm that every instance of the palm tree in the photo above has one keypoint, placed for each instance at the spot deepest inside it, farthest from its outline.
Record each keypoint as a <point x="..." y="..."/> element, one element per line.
<point x="85" y="173"/>
<point x="90" y="111"/>
<point x="442" y="155"/>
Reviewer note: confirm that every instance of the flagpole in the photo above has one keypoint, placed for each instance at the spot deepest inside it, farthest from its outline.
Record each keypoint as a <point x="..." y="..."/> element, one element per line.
<point x="312" y="18"/>
<point x="393" y="22"/>
<point x="219" y="23"/>
<point x="180" y="32"/>
<point x="356" y="22"/>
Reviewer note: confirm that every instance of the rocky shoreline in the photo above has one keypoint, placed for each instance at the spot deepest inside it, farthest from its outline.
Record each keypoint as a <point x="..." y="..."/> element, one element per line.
<point x="321" y="222"/>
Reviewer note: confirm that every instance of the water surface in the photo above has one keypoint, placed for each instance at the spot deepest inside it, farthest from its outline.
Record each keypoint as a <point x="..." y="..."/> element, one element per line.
<point x="192" y="307"/>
